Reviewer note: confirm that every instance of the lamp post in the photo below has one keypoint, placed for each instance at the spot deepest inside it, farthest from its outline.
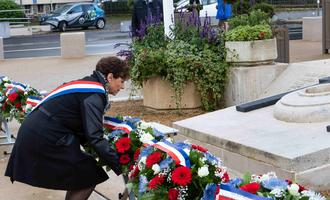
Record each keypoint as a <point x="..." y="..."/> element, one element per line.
<point x="318" y="7"/>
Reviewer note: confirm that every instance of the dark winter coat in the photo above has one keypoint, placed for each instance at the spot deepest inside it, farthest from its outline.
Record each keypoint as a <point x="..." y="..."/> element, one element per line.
<point x="47" y="152"/>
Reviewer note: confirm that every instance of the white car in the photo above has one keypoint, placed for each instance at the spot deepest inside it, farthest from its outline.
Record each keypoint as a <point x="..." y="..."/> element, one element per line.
<point x="209" y="7"/>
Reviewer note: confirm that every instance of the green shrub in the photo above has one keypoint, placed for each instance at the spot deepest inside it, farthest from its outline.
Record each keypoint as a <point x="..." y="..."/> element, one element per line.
<point x="249" y="33"/>
<point x="255" y="17"/>
<point x="245" y="7"/>
<point x="10" y="5"/>
<point x="265" y="7"/>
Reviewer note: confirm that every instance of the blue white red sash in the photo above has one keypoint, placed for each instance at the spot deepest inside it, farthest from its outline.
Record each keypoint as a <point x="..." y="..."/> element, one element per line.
<point x="227" y="192"/>
<point x="33" y="101"/>
<point x="73" y="87"/>
<point x="16" y="85"/>
<point x="179" y="155"/>
<point x="115" y="124"/>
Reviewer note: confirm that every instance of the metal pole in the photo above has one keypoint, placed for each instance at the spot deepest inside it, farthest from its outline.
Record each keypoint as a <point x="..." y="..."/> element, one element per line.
<point x="318" y="7"/>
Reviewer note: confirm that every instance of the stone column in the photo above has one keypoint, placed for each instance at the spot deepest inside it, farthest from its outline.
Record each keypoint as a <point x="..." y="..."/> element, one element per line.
<point x="1" y="49"/>
<point x="73" y="45"/>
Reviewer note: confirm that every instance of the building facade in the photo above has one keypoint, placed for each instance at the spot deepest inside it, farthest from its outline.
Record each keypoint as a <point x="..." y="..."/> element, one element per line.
<point x="43" y="6"/>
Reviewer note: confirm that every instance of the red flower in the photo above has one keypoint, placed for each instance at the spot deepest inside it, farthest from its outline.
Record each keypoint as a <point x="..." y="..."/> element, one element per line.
<point x="18" y="105"/>
<point x="199" y="148"/>
<point x="153" y="158"/>
<point x="12" y="97"/>
<point x="301" y="188"/>
<point x="251" y="187"/>
<point x="124" y="159"/>
<point x="181" y="176"/>
<point x="4" y="106"/>
<point x="136" y="154"/>
<point x="225" y="177"/>
<point x="173" y="194"/>
<point x="135" y="172"/>
<point x="123" y="144"/>
<point x="156" y="182"/>
<point x="262" y="35"/>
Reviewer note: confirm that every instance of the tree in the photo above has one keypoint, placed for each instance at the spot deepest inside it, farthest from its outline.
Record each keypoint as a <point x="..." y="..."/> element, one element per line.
<point x="10" y="5"/>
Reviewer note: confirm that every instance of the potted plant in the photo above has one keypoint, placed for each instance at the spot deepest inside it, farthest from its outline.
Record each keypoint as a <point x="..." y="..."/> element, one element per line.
<point x="194" y="56"/>
<point x="250" y="40"/>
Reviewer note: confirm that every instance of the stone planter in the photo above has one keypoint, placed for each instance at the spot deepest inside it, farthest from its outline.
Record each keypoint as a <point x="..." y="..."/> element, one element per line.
<point x="158" y="94"/>
<point x="251" y="52"/>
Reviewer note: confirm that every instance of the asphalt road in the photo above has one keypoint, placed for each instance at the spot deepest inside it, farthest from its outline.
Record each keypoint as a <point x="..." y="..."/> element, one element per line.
<point x="38" y="45"/>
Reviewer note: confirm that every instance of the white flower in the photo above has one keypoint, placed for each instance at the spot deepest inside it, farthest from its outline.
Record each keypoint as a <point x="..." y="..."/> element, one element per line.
<point x="268" y="176"/>
<point x="203" y="171"/>
<point x="156" y="168"/>
<point x="293" y="189"/>
<point x="5" y="79"/>
<point x="146" y="137"/>
<point x="142" y="163"/>
<point x="144" y="125"/>
<point x="312" y="195"/>
<point x="277" y="192"/>
<point x="169" y="139"/>
<point x="6" y="84"/>
<point x="203" y="159"/>
<point x="255" y="178"/>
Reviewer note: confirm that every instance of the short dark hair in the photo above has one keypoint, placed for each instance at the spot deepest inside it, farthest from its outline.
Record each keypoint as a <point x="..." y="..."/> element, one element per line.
<point x="114" y="65"/>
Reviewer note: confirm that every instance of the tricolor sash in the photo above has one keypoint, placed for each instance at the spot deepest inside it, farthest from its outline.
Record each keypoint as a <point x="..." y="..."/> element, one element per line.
<point x="179" y="155"/>
<point x="73" y="87"/>
<point x="116" y="124"/>
<point x="33" y="100"/>
<point x="228" y="192"/>
<point x="17" y="85"/>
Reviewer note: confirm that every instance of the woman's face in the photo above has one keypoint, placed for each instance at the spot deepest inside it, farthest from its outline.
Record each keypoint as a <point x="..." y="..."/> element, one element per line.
<point x="116" y="84"/>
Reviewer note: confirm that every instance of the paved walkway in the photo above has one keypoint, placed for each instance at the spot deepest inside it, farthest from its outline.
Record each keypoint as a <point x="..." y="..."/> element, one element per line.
<point x="47" y="73"/>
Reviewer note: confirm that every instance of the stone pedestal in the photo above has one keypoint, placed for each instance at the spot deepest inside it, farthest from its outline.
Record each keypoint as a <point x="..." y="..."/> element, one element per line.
<point x="158" y="94"/>
<point x="248" y="83"/>
<point x="308" y="105"/>
<point x="312" y="29"/>
<point x="4" y="30"/>
<point x="73" y="45"/>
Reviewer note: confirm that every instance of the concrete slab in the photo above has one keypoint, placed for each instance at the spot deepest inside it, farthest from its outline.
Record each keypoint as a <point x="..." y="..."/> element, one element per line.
<point x="298" y="75"/>
<point x="257" y="141"/>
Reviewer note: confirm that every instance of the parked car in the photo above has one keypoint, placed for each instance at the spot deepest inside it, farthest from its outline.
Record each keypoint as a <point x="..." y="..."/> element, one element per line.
<point x="77" y="15"/>
<point x="209" y="7"/>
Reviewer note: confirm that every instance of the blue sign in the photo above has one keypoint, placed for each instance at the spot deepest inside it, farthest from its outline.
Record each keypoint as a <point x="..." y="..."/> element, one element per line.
<point x="34" y="1"/>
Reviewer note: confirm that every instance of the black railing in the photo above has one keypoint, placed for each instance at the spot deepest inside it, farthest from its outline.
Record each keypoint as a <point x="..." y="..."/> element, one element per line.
<point x="294" y="3"/>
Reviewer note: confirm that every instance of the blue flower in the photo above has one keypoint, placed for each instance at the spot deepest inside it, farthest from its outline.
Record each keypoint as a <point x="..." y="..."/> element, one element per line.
<point x="273" y="183"/>
<point x="146" y="151"/>
<point x="165" y="163"/>
<point x="183" y="145"/>
<point x="235" y="182"/>
<point x="157" y="133"/>
<point x="142" y="183"/>
<point x="211" y="158"/>
<point x="115" y="133"/>
<point x="209" y="192"/>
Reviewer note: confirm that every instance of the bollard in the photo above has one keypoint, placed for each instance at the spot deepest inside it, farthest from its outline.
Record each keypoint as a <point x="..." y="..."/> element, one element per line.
<point x="72" y="45"/>
<point x="282" y="41"/>
<point x="1" y="49"/>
